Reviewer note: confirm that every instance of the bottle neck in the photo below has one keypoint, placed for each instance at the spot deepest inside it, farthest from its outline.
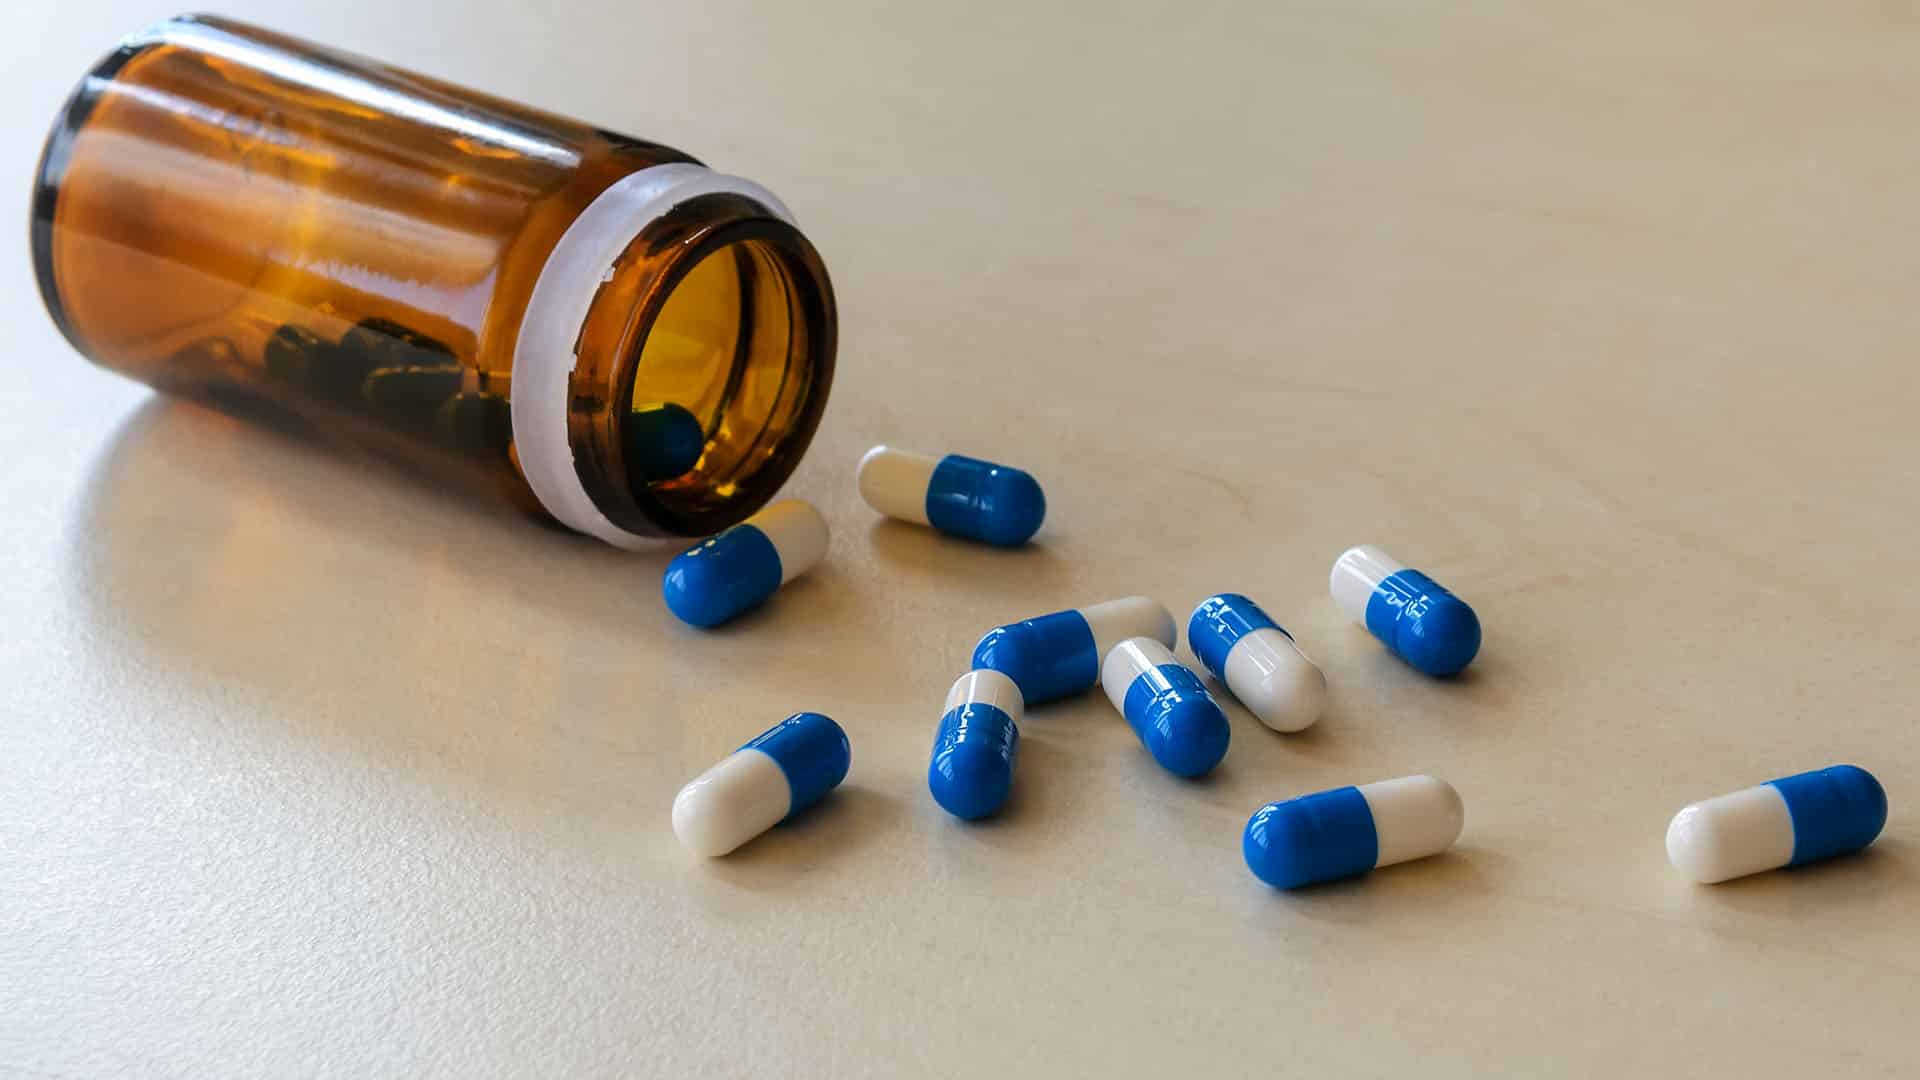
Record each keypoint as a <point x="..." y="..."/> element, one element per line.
<point x="674" y="360"/>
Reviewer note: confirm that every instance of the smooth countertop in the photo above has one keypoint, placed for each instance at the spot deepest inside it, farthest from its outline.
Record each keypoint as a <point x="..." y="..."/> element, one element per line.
<point x="1605" y="318"/>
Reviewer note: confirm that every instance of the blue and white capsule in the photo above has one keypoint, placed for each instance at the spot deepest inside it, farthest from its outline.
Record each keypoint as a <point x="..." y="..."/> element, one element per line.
<point x="1347" y="831"/>
<point x="1059" y="655"/>
<point x="971" y="773"/>
<point x="662" y="440"/>
<point x="1785" y="822"/>
<point x="1177" y="720"/>
<point x="960" y="496"/>
<point x="731" y="573"/>
<point x="782" y="771"/>
<point x="1258" y="660"/>
<point x="1415" y="618"/>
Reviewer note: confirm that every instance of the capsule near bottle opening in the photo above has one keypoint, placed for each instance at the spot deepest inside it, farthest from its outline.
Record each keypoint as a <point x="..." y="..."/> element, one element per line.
<point x="595" y="327"/>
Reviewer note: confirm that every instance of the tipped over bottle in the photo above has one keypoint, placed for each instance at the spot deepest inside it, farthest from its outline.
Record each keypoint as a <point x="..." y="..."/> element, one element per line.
<point x="593" y="326"/>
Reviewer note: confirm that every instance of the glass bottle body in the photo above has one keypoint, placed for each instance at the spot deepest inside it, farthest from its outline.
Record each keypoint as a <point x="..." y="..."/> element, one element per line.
<point x="580" y="322"/>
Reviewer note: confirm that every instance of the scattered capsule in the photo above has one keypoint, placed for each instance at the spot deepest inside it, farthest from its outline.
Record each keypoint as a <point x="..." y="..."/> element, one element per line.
<point x="336" y="373"/>
<point x="785" y="769"/>
<point x="385" y="343"/>
<point x="971" y="772"/>
<point x="1258" y="661"/>
<point x="476" y="421"/>
<point x="1351" y="830"/>
<point x="290" y="351"/>
<point x="340" y="370"/>
<point x="411" y="394"/>
<point x="1415" y="618"/>
<point x="961" y="496"/>
<point x="1178" y="721"/>
<point x="725" y="575"/>
<point x="1785" y="822"/>
<point x="1058" y="655"/>
<point x="662" y="441"/>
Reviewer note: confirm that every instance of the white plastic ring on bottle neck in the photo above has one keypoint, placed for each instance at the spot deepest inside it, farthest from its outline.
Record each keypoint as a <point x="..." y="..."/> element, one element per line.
<point x="543" y="356"/>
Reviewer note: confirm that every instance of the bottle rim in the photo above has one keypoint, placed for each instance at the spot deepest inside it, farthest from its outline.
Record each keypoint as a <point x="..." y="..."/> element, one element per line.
<point x="553" y="448"/>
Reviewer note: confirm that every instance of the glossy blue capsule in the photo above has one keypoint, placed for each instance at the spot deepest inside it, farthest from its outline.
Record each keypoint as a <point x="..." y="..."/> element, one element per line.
<point x="777" y="774"/>
<point x="1794" y="820"/>
<point x="971" y="773"/>
<point x="661" y="441"/>
<point x="1176" y="719"/>
<point x="1347" y="831"/>
<point x="1058" y="655"/>
<point x="736" y="571"/>
<point x="1414" y="617"/>
<point x="1836" y="811"/>
<point x="960" y="496"/>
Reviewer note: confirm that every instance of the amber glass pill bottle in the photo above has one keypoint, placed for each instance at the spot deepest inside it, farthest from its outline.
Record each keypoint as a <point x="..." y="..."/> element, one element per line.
<point x="593" y="326"/>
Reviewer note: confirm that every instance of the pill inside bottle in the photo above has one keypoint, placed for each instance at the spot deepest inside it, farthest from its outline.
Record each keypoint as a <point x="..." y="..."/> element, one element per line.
<point x="591" y="326"/>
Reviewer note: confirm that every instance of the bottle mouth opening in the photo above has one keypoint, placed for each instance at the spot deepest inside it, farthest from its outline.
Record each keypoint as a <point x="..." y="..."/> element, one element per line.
<point x="735" y="349"/>
<point x="718" y="373"/>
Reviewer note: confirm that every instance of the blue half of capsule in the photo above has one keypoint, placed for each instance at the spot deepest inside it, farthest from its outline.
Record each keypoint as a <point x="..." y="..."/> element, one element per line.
<point x="1835" y="810"/>
<point x="994" y="504"/>
<point x="1314" y="838"/>
<point x="811" y="750"/>
<point x="1177" y="720"/>
<point x="1219" y="623"/>
<point x="1049" y="657"/>
<point x="971" y="773"/>
<point x="722" y="576"/>
<point x="661" y="441"/>
<point x="1059" y="655"/>
<point x="1423" y="624"/>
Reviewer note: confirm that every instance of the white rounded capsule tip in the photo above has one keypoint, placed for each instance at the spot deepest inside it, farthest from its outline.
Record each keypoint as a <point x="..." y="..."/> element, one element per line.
<point x="743" y="796"/>
<point x="1731" y="835"/>
<point x="1290" y="700"/>
<point x="1414" y="817"/>
<point x="1115" y="621"/>
<point x="1160" y="623"/>
<point x="1452" y="811"/>
<point x="698" y="829"/>
<point x="894" y="482"/>
<point x="797" y="532"/>
<point x="1692" y="848"/>
<point x="1276" y="681"/>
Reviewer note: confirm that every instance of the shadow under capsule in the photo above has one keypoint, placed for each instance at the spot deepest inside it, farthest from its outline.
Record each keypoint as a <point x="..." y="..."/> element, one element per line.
<point x="1038" y="795"/>
<point x="1460" y="876"/>
<point x="848" y="818"/>
<point x="1886" y="868"/>
<point x="930" y="554"/>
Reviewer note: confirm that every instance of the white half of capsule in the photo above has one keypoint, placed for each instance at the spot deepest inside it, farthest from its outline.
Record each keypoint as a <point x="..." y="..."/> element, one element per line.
<point x="797" y="531"/>
<point x="1269" y="674"/>
<point x="743" y="796"/>
<point x="1357" y="573"/>
<point x="1413" y="817"/>
<point x="1115" y="621"/>
<point x="894" y="482"/>
<point x="1730" y="836"/>
<point x="986" y="687"/>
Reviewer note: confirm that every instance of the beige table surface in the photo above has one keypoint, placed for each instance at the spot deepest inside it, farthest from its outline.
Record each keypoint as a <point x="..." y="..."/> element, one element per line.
<point x="1605" y="318"/>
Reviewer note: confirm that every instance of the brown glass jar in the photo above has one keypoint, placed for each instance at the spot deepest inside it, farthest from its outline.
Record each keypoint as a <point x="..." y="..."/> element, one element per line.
<point x="590" y="325"/>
